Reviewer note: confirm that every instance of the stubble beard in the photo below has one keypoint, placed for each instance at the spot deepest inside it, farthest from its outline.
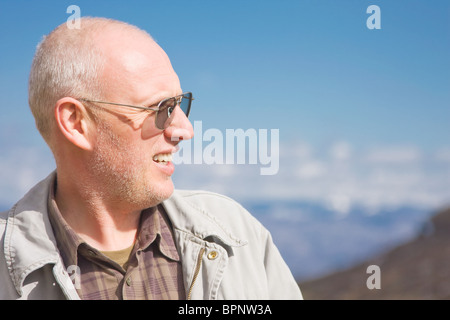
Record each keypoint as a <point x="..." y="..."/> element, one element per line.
<point x="115" y="165"/>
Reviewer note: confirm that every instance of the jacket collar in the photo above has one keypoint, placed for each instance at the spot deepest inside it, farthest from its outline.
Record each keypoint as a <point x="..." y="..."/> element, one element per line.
<point x="29" y="241"/>
<point x="195" y="218"/>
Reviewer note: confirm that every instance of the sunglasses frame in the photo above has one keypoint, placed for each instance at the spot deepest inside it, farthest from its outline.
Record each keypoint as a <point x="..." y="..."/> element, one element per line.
<point x="157" y="108"/>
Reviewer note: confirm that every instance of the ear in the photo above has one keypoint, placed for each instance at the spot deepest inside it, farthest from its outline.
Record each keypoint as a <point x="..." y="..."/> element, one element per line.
<point x="73" y="122"/>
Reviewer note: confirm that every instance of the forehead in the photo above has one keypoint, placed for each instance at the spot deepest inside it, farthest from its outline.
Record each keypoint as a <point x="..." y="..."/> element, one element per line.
<point x="136" y="68"/>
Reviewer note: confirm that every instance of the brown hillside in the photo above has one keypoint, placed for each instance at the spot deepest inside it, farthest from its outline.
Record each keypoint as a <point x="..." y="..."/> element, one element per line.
<point x="419" y="269"/>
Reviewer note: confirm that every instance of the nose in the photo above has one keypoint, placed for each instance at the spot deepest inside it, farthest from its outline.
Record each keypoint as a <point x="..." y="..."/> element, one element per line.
<point x="180" y="128"/>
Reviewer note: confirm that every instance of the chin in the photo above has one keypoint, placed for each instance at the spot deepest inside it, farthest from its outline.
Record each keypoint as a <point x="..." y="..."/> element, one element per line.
<point x="159" y="192"/>
<point x="168" y="190"/>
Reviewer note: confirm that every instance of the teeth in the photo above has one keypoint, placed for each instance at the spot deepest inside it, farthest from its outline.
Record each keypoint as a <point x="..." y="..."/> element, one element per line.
<point x="163" y="157"/>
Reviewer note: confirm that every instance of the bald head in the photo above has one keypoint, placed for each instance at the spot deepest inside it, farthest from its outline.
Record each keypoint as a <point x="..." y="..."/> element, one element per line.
<point x="131" y="60"/>
<point x="87" y="62"/>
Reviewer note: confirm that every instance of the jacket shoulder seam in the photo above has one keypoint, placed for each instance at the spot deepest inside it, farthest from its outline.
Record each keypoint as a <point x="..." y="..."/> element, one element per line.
<point x="191" y="193"/>
<point x="212" y="217"/>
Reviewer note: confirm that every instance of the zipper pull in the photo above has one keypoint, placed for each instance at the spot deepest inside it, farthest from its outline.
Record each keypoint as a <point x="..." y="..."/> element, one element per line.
<point x="197" y="270"/>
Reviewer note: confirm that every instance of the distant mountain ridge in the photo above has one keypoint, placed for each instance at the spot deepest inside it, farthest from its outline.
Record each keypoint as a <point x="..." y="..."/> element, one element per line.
<point x="418" y="269"/>
<point x="315" y="240"/>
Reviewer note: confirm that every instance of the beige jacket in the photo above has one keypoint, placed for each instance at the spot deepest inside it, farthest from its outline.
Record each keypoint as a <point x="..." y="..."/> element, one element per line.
<point x="225" y="252"/>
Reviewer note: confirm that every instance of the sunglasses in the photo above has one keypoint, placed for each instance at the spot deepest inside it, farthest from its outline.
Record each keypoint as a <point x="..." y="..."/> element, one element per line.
<point x="164" y="109"/>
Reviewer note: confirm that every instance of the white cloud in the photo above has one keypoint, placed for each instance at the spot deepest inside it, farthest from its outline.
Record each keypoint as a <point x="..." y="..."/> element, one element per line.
<point x="311" y="169"/>
<point x="443" y="154"/>
<point x="340" y="203"/>
<point x="341" y="150"/>
<point x="399" y="154"/>
<point x="20" y="169"/>
<point x="343" y="177"/>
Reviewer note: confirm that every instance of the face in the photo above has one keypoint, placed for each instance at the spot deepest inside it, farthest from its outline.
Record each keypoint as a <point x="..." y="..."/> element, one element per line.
<point x="131" y="157"/>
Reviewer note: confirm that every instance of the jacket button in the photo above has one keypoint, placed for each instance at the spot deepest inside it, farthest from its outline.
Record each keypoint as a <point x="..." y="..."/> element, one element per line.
<point x="213" y="255"/>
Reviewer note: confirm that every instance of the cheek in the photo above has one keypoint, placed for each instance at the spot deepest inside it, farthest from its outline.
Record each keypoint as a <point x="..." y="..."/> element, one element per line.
<point x="149" y="129"/>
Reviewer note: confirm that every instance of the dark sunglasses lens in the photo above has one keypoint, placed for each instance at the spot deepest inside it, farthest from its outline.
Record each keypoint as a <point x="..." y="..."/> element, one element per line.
<point x="165" y="110"/>
<point x="167" y="107"/>
<point x="185" y="104"/>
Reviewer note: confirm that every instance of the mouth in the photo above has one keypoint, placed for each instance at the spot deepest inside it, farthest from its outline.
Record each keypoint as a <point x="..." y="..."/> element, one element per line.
<point x="163" y="158"/>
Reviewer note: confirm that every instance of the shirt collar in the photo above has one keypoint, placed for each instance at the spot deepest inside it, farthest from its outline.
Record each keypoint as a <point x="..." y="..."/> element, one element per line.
<point x="155" y="225"/>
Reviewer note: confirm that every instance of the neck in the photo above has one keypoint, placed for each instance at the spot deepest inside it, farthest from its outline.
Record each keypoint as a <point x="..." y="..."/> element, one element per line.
<point x="105" y="225"/>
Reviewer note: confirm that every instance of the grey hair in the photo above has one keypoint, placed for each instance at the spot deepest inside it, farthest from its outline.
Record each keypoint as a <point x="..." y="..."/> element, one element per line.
<point x="67" y="63"/>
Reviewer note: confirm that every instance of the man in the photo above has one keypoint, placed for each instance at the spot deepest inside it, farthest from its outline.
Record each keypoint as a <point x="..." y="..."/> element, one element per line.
<point x="107" y="224"/>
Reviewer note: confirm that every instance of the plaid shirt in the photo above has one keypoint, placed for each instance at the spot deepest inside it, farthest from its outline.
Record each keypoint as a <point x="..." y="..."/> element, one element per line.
<point x="154" y="267"/>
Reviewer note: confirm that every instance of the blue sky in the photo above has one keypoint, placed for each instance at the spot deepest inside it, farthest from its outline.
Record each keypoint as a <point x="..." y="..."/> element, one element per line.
<point x="351" y="104"/>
